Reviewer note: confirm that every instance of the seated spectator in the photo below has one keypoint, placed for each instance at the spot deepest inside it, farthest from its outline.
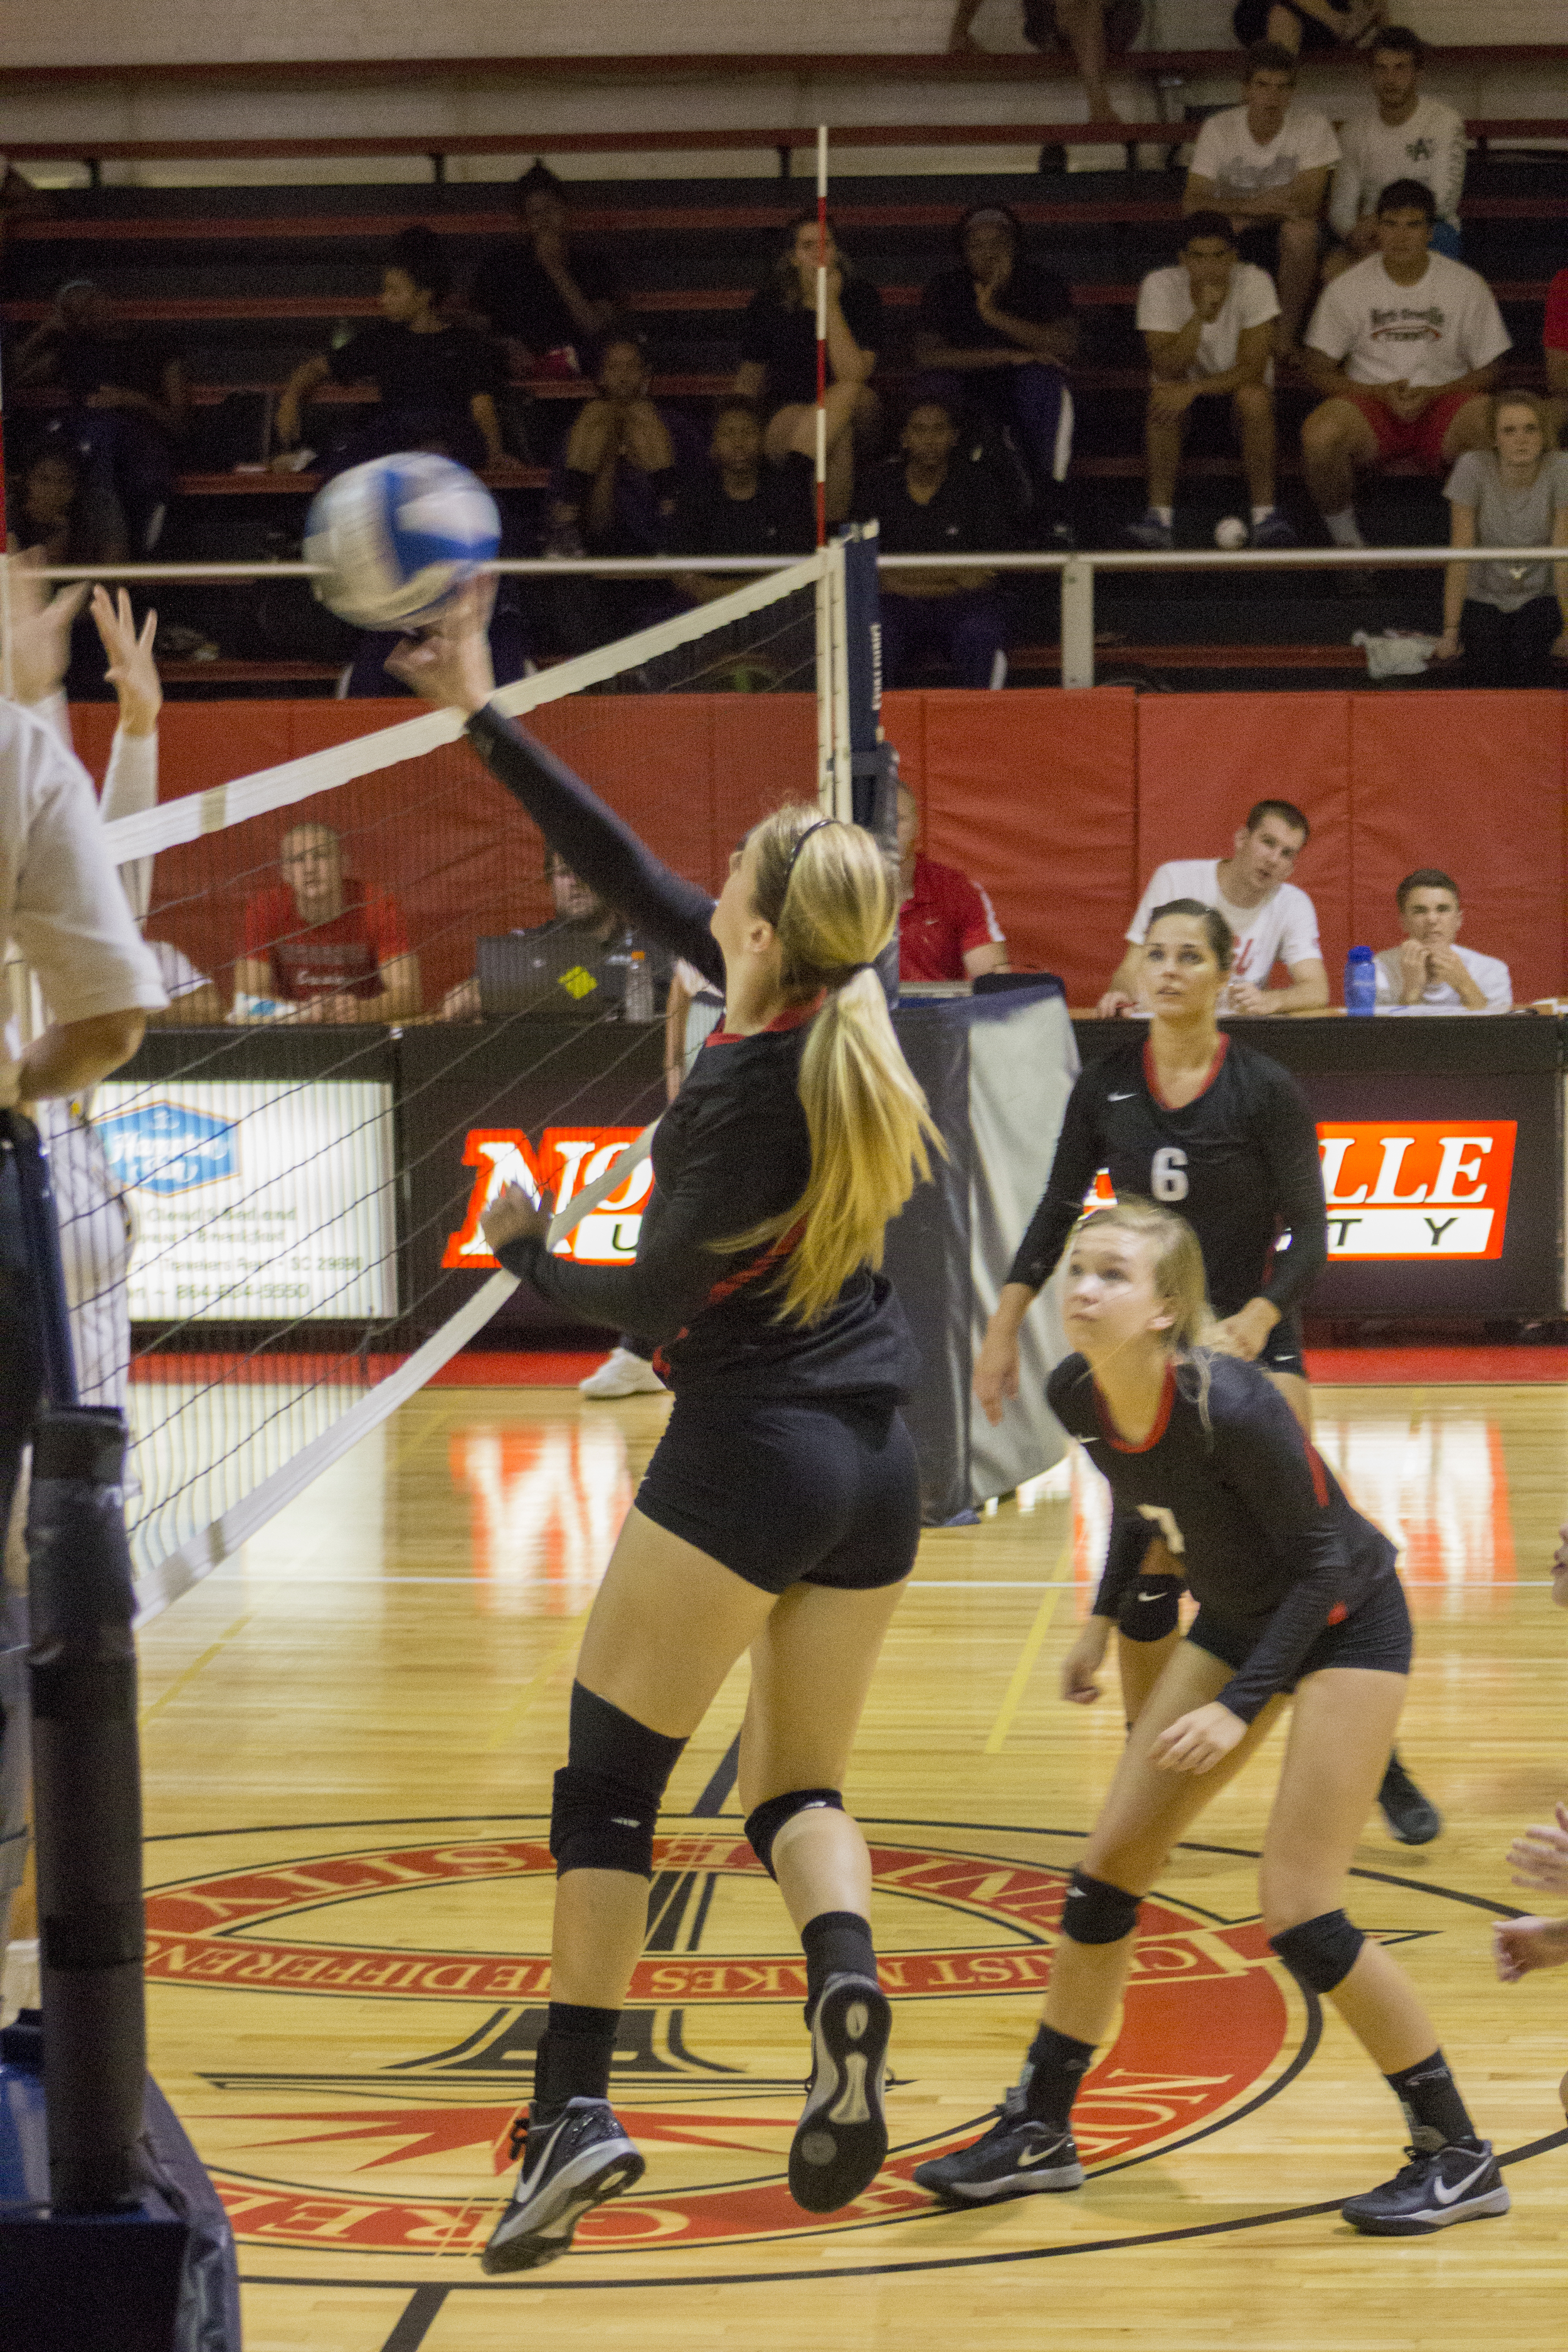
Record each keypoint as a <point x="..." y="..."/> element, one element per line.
<point x="1509" y="620"/>
<point x="1426" y="969"/>
<point x="319" y="946"/>
<point x="1208" y="328"/>
<point x="1266" y="165"/>
<point x="1555" y="337"/>
<point x="129" y="411"/>
<point x="778" y="358"/>
<point x="947" y="925"/>
<point x="608" y="945"/>
<point x="1272" y="921"/>
<point x="436" y="382"/>
<point x="994" y="339"/>
<point x="1402" y="350"/>
<point x="1313" y="25"/>
<point x="1080" y="23"/>
<point x="737" y="505"/>
<point x="60" y="510"/>
<point x="1405" y="136"/>
<point x="546" y="298"/>
<point x="934" y="499"/>
<point x="613" y="495"/>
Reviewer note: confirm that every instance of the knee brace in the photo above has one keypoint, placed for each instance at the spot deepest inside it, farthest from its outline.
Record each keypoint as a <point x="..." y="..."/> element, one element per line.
<point x="609" y="1790"/>
<point x="1321" y="1952"/>
<point x="1152" y="1608"/>
<point x="763" y="1823"/>
<point x="1097" y="1913"/>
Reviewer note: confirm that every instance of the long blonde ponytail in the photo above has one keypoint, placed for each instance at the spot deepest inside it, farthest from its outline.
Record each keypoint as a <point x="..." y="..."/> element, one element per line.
<point x="828" y="893"/>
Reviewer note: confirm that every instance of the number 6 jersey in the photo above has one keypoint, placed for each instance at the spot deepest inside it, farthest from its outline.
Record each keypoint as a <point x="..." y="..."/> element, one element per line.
<point x="1239" y="1162"/>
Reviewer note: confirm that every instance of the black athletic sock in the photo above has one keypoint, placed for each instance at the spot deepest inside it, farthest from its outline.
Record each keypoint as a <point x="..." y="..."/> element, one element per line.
<point x="835" y="1943"/>
<point x="1055" y="2067"/>
<point x="1433" y="2111"/>
<point x="573" y="2060"/>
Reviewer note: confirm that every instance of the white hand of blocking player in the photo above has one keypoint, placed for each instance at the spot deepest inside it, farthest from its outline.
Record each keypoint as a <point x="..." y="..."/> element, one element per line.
<point x="513" y="1217"/>
<point x="132" y="672"/>
<point x="40" y="630"/>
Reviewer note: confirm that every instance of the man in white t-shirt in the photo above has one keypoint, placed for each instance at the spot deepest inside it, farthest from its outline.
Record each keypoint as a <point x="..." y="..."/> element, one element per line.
<point x="1402" y="350"/>
<point x="1428" y="971"/>
<point x="1266" y="165"/>
<point x="1405" y="136"/>
<point x="1208" y="327"/>
<point x="1273" y="921"/>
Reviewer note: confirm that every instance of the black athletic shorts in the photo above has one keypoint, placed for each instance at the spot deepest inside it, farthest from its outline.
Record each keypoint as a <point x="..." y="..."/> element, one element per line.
<point x="1260" y="245"/>
<point x="783" y="1492"/>
<point x="1377" y="1638"/>
<point x="1282" y="1348"/>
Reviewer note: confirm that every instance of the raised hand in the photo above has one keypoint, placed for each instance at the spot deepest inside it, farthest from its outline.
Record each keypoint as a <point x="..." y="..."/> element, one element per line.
<point x="132" y="672"/>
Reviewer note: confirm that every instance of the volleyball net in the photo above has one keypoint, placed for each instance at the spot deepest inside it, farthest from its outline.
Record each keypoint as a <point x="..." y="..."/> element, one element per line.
<point x="387" y="1001"/>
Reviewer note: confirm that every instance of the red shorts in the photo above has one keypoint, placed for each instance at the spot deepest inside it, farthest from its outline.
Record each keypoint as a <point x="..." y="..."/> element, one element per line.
<point x="1423" y="438"/>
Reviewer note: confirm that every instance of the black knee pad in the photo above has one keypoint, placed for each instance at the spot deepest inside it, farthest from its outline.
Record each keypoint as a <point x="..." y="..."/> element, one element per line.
<point x="1097" y="1913"/>
<point x="608" y="1793"/>
<point x="1321" y="1952"/>
<point x="1152" y="1608"/>
<point x="763" y="1824"/>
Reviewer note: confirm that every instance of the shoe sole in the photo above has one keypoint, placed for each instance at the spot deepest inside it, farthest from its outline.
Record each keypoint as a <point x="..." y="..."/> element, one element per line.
<point x="1413" y="2225"/>
<point x="1013" y="2184"/>
<point x="546" y="2241"/>
<point x="842" y="2136"/>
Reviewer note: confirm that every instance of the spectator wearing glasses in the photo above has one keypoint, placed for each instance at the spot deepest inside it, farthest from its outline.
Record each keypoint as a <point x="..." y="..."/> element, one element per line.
<point x="1508" y="620"/>
<point x="1428" y="971"/>
<point x="1208" y="327"/>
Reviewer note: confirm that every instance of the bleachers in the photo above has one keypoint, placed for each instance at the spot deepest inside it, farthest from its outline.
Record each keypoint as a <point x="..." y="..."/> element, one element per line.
<point x="257" y="278"/>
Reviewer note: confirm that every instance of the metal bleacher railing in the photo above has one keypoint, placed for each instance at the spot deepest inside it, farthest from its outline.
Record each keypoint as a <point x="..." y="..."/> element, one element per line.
<point x="1077" y="571"/>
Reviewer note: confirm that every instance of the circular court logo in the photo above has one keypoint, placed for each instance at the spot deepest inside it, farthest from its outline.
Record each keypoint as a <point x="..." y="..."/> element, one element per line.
<point x="389" y="2041"/>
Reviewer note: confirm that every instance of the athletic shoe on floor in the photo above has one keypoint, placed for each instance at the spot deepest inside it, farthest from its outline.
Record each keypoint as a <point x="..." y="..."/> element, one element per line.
<point x="574" y="2162"/>
<point x="1151" y="532"/>
<point x="622" y="1374"/>
<point x="1272" y="530"/>
<point x="1450" y="2184"/>
<point x="842" y="2137"/>
<point x="1412" y="1818"/>
<point x="1018" y="2156"/>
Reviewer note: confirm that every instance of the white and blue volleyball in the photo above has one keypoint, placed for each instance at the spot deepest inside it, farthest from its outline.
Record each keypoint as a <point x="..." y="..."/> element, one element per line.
<point x="395" y="538"/>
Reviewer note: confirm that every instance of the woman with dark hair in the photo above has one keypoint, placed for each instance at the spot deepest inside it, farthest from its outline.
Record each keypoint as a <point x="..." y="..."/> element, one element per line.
<point x="995" y="338"/>
<point x="778" y="358"/>
<point x="437" y="382"/>
<point x="1200" y="1122"/>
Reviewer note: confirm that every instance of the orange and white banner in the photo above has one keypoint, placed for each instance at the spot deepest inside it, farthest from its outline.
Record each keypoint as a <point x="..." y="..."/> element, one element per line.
<point x="1417" y="1188"/>
<point x="567" y="1160"/>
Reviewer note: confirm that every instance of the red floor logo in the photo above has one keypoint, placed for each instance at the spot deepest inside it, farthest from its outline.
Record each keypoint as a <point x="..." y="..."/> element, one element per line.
<point x="295" y="2154"/>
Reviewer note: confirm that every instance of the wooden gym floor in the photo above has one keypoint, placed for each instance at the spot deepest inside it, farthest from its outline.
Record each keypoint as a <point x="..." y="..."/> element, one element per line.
<point x="349" y="1735"/>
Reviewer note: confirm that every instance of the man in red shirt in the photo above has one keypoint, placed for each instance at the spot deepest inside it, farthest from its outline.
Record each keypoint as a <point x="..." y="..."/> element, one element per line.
<point x="1554" y="335"/>
<point x="947" y="925"/>
<point x="323" y="944"/>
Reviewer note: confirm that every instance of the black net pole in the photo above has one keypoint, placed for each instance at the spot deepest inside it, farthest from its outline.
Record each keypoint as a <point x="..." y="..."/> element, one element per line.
<point x="87" y="1782"/>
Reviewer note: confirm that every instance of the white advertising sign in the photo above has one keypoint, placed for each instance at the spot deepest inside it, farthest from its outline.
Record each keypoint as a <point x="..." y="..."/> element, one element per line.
<point x="256" y="1201"/>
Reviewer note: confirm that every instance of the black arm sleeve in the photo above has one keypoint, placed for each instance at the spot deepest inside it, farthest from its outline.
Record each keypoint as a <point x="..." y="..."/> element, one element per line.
<point x="1289" y="1141"/>
<point x="1262" y="1453"/>
<point x="1080" y="1157"/>
<point x="731" y="1151"/>
<point x="598" y="847"/>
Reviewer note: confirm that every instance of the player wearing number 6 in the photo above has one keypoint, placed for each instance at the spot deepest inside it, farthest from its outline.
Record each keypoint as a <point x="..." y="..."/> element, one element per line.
<point x="1222" y="1134"/>
<point x="1297" y="1595"/>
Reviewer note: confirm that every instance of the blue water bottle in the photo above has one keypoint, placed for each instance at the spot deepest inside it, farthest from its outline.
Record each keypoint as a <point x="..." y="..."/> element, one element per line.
<point x="1360" y="981"/>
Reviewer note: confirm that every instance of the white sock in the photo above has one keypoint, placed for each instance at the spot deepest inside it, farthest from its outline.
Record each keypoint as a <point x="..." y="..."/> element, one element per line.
<point x="1167" y="515"/>
<point x="1343" y="529"/>
<point x="1261" y="514"/>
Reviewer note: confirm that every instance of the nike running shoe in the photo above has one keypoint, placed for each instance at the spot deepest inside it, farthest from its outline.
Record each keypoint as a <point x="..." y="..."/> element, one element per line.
<point x="1151" y="532"/>
<point x="842" y="2134"/>
<point x="1412" y="1818"/>
<point x="1436" y="2189"/>
<point x="1018" y="2156"/>
<point x="576" y="2160"/>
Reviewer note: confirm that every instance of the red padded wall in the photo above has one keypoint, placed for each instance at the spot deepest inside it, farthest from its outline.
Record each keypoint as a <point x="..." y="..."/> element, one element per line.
<point x="1475" y="786"/>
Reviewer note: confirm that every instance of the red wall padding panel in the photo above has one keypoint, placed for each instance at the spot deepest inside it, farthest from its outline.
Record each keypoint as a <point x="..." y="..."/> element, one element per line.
<point x="1205" y="759"/>
<point x="1475" y="786"/>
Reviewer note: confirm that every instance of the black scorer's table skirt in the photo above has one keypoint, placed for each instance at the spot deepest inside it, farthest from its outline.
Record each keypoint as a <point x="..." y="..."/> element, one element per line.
<point x="1390" y="1072"/>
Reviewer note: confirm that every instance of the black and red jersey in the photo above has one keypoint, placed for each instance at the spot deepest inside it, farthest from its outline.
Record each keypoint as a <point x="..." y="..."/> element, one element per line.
<point x="732" y="1151"/>
<point x="1264" y="1533"/>
<point x="1239" y="1162"/>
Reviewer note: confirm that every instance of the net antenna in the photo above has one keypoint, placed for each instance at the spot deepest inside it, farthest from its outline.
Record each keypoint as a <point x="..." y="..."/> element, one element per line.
<point x="307" y="1194"/>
